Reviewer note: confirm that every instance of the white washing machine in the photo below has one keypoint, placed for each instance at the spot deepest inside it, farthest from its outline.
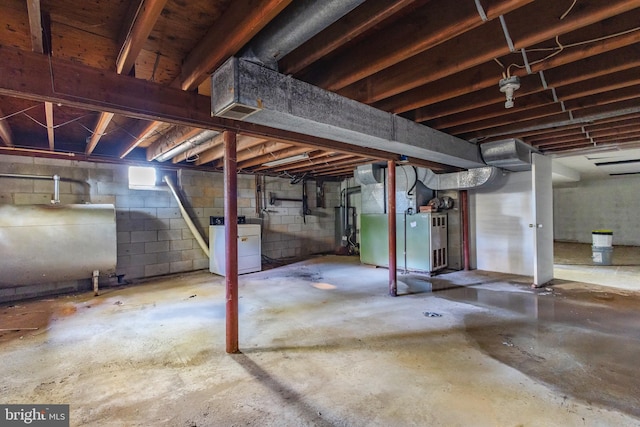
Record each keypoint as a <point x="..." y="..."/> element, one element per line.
<point x="249" y="249"/>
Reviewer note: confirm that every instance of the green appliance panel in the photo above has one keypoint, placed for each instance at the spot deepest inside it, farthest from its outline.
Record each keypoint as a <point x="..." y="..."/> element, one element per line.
<point x="420" y="232"/>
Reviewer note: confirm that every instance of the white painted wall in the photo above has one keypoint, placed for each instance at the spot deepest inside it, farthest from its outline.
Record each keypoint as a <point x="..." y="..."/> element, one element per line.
<point x="500" y="218"/>
<point x="588" y="205"/>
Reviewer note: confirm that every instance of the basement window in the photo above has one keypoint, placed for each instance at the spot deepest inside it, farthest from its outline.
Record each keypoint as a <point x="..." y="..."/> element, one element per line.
<point x="143" y="178"/>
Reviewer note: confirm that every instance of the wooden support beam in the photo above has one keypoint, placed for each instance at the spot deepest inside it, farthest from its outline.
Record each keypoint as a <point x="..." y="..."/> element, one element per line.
<point x="143" y="131"/>
<point x="35" y="25"/>
<point x="242" y="20"/>
<point x="98" y="130"/>
<point x="170" y="140"/>
<point x="481" y="45"/>
<point x="260" y="150"/>
<point x="137" y="33"/>
<point x="281" y="154"/>
<point x="363" y="18"/>
<point x="21" y="76"/>
<point x="242" y="143"/>
<point x="231" y="237"/>
<point x="48" y="112"/>
<point x="5" y="131"/>
<point x="440" y="20"/>
<point x="623" y="52"/>
<point x="216" y="141"/>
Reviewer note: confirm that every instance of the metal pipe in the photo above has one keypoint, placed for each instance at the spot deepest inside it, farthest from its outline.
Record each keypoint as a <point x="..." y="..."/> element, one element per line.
<point x="96" y="275"/>
<point x="391" y="195"/>
<point x="231" y="236"/>
<point x="464" y="212"/>
<point x="185" y="215"/>
<point x="299" y="22"/>
<point x="56" y="190"/>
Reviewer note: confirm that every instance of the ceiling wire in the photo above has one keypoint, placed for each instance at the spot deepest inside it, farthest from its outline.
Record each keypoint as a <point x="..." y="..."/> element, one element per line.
<point x="559" y="48"/>
<point x="19" y="112"/>
<point x="568" y="10"/>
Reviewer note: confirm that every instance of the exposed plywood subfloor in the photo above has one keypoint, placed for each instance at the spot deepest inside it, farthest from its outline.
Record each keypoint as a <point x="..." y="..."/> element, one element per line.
<point x="324" y="345"/>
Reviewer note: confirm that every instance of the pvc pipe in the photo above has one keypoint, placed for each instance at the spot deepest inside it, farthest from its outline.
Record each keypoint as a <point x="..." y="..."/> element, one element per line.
<point x="56" y="190"/>
<point x="185" y="215"/>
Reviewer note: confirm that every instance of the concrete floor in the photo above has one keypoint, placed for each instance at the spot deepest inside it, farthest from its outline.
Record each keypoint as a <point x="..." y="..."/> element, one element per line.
<point x="323" y="345"/>
<point x="573" y="262"/>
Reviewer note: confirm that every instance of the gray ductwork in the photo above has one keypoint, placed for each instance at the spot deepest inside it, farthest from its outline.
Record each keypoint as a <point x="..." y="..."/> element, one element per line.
<point x="464" y="180"/>
<point x="199" y="139"/>
<point x="368" y="174"/>
<point x="509" y="154"/>
<point x="300" y="21"/>
<point x="246" y="91"/>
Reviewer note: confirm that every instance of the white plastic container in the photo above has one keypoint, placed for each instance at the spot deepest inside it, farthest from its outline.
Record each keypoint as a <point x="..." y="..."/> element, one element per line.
<point x="602" y="238"/>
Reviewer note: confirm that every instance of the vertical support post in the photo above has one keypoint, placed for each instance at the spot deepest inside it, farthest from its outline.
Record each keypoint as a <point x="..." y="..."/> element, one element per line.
<point x="95" y="277"/>
<point x="231" y="236"/>
<point x="464" y="212"/>
<point x="391" y="214"/>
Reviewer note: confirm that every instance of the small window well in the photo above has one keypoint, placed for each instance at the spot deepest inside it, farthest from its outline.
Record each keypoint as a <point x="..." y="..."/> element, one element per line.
<point x="142" y="178"/>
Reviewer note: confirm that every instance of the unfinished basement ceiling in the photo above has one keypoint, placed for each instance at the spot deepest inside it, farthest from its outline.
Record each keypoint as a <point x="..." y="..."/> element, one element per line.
<point x="436" y="62"/>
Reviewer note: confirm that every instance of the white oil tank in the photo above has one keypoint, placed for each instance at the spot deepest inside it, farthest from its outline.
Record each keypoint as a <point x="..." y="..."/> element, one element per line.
<point x="54" y="243"/>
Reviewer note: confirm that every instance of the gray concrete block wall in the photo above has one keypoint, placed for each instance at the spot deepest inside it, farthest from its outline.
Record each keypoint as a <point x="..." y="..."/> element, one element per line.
<point x="286" y="232"/>
<point x="584" y="206"/>
<point x="152" y="237"/>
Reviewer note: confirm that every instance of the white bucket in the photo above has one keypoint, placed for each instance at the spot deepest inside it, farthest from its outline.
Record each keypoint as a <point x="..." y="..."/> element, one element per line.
<point x="602" y="238"/>
<point x="602" y="255"/>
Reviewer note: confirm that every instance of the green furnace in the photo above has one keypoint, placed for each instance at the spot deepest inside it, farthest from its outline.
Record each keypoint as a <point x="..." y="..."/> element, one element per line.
<point x="422" y="236"/>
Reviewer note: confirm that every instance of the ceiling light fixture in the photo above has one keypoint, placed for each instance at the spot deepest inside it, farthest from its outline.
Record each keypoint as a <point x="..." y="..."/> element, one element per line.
<point x="507" y="86"/>
<point x="287" y="160"/>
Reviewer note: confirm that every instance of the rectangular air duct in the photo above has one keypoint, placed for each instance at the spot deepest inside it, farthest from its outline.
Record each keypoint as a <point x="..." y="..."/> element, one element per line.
<point x="510" y="154"/>
<point x="246" y="91"/>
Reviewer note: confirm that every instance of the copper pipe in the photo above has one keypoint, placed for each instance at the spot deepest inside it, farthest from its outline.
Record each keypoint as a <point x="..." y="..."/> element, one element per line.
<point x="391" y="213"/>
<point x="231" y="236"/>
<point x="464" y="212"/>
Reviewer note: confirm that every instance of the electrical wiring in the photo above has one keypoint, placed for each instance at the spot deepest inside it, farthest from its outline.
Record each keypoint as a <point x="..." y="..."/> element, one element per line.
<point x="8" y="116"/>
<point x="559" y="48"/>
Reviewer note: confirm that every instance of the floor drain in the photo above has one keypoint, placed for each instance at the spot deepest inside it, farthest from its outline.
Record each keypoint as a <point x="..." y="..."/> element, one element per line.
<point x="431" y="314"/>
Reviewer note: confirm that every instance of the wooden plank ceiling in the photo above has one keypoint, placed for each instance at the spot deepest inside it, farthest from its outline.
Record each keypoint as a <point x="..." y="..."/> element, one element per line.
<point x="438" y="62"/>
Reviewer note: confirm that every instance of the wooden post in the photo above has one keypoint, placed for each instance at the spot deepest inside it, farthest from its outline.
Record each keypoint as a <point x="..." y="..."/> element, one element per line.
<point x="391" y="213"/>
<point x="231" y="236"/>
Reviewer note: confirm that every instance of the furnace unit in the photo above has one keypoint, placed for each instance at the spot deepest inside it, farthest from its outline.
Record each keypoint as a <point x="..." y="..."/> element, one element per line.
<point x="421" y="241"/>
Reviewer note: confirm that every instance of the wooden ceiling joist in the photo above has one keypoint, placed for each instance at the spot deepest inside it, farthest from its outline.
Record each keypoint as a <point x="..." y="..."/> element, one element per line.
<point x="98" y="130"/>
<point x="137" y="31"/>
<point x="479" y="46"/>
<point x="170" y="140"/>
<point x="557" y="70"/>
<point x="20" y="77"/>
<point x="240" y="23"/>
<point x="281" y="154"/>
<point x="5" y="131"/>
<point x="194" y="153"/>
<point x="404" y="40"/>
<point x="48" y="112"/>
<point x="243" y="142"/>
<point x="143" y="130"/>
<point x="35" y="25"/>
<point x="340" y="32"/>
